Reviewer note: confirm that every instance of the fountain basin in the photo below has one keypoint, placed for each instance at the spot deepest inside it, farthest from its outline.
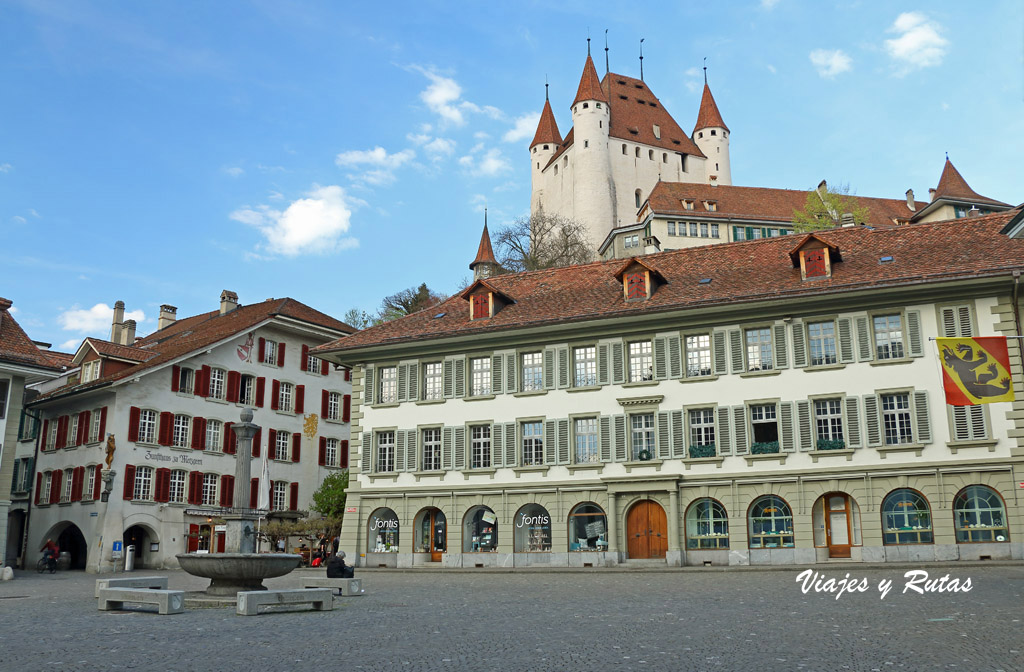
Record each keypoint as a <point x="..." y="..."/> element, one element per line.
<point x="230" y="573"/>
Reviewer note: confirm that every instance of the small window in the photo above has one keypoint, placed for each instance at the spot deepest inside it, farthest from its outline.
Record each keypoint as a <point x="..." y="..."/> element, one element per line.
<point x="481" y="306"/>
<point x="388" y="390"/>
<point x="480" y="376"/>
<point x="889" y="336"/>
<point x="213" y="435"/>
<point x="671" y="228"/>
<point x="147" y="426"/>
<point x="641" y="364"/>
<point x="714" y="230"/>
<point x="664" y="157"/>
<point x="822" y="341"/>
<point x="597" y="105"/>
<point x="657" y="131"/>
<point x="586" y="105"/>
<point x="185" y="378"/>
<point x="712" y="132"/>
<point x="584" y="366"/>
<point x="896" y="419"/>
<point x="480" y="447"/>
<point x="556" y="169"/>
<point x="636" y="195"/>
<point x="693" y="228"/>
<point x="650" y="154"/>
<point x="143" y="490"/>
<point x="210" y="489"/>
<point x="701" y="134"/>
<point x="687" y="204"/>
<point x="532" y="371"/>
<point x="711" y="206"/>
<point x="636" y="285"/>
<point x="284" y="396"/>
<point x="432" y="449"/>
<point x="638" y="152"/>
<point x="586" y="143"/>
<point x="246" y="390"/>
<point x="828" y="424"/>
<point x="707" y="525"/>
<point x="545" y="146"/>
<point x="759" y="349"/>
<point x="698" y="355"/>
<point x="703" y="230"/>
<point x="182" y="430"/>
<point x="623" y="149"/>
<point x="764" y="424"/>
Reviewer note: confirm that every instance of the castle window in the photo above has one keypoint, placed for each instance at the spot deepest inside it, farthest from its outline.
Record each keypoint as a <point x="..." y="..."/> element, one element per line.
<point x="650" y="154"/>
<point x="682" y="162"/>
<point x="712" y="132"/>
<point x="664" y="157"/>
<point x="600" y="124"/>
<point x="597" y="104"/>
<point x="565" y="161"/>
<point x="545" y="146"/>
<point x="637" y="195"/>
<point x="586" y="105"/>
<point x="623" y="149"/>
<point x="716" y="166"/>
<point x="556" y="169"/>
<point x="538" y="164"/>
<point x="701" y="134"/>
<point x="534" y="150"/>
<point x="638" y="152"/>
<point x="586" y="143"/>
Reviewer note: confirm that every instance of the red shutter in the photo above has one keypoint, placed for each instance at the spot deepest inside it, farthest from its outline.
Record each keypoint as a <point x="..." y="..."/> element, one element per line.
<point x="133" y="423"/>
<point x="348" y="375"/>
<point x="261" y="387"/>
<point x="175" y="375"/>
<point x="129" y="482"/>
<point x="103" y="423"/>
<point x="234" y="380"/>
<point x="300" y="398"/>
<point x="344" y="454"/>
<point x="293" y="497"/>
<point x="220" y="541"/>
<point x="195" y="487"/>
<point x="322" y="459"/>
<point x="256" y="441"/>
<point x="163" y="485"/>
<point x="46" y="433"/>
<point x="280" y="354"/>
<point x="204" y="388"/>
<point x="324" y="396"/>
<point x="55" y="479"/>
<point x="166" y="428"/>
<point x="229" y="436"/>
<point x="39" y="485"/>
<point x="98" y="484"/>
<point x="198" y="435"/>
<point x="61" y="429"/>
<point x="254" y="492"/>
<point x="225" y="490"/>
<point x="263" y="346"/>
<point x="76" y="484"/>
<point x="346" y="408"/>
<point x="272" y="445"/>
<point x="81" y="434"/>
<point x="323" y="367"/>
<point x="275" y="391"/>
<point x="296" y="445"/>
<point x="193" y="539"/>
<point x="304" y="360"/>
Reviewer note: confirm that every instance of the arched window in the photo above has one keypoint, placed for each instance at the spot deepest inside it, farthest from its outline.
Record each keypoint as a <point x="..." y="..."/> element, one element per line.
<point x="906" y="518"/>
<point x="382" y="532"/>
<point x="770" y="523"/>
<point x="707" y="525"/>
<point x="531" y="530"/>
<point x="979" y="515"/>
<point x="623" y="149"/>
<point x="650" y="154"/>
<point x="637" y="194"/>
<point x="638" y="152"/>
<point x="480" y="531"/>
<point x="586" y="105"/>
<point x="664" y="157"/>
<point x="556" y="169"/>
<point x="588" y="528"/>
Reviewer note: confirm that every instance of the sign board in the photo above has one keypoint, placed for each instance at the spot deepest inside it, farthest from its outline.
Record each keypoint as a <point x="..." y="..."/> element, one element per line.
<point x="352" y="509"/>
<point x="115" y="551"/>
<point x="1021" y="484"/>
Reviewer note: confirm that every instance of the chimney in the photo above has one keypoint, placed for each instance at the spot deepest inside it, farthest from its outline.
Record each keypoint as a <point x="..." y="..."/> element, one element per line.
<point x="910" y="200"/>
<point x="115" y="325"/>
<point x="228" y="301"/>
<point x="5" y="304"/>
<point x="128" y="332"/>
<point x="847" y="219"/>
<point x="974" y="212"/>
<point x="651" y="245"/>
<point x="168" y="315"/>
<point x="931" y="195"/>
<point x="822" y="188"/>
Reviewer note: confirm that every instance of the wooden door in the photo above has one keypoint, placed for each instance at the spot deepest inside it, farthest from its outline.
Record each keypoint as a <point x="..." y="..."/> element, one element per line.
<point x="438" y="535"/>
<point x="646" y="531"/>
<point x="837" y="525"/>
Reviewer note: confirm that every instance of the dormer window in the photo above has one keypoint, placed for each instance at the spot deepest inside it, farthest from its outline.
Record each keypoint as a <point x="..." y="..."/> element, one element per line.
<point x="481" y="306"/>
<point x="636" y="286"/>
<point x="586" y="105"/>
<point x="657" y="131"/>
<point x="90" y="371"/>
<point x="815" y="258"/>
<point x="711" y="206"/>
<point x="638" y="280"/>
<point x="814" y="264"/>
<point x="687" y="204"/>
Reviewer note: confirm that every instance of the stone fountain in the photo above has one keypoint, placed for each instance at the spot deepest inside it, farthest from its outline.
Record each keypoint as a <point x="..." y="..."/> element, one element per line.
<point x="240" y="568"/>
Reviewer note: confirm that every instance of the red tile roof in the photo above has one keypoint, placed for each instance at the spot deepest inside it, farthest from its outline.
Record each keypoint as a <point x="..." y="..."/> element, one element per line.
<point x="952" y="185"/>
<point x="118" y="351"/>
<point x="590" y="84"/>
<point x="484" y="254"/>
<point x="762" y="203"/>
<point x="547" y="127"/>
<point x="745" y="272"/>
<point x="708" y="115"/>
<point x="15" y="345"/>
<point x="635" y="111"/>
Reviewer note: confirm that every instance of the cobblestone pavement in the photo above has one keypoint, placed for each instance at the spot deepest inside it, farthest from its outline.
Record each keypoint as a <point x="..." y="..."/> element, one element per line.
<point x="684" y="620"/>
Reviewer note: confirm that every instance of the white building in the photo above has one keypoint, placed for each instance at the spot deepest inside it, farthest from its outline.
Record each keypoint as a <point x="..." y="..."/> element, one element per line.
<point x="139" y="449"/>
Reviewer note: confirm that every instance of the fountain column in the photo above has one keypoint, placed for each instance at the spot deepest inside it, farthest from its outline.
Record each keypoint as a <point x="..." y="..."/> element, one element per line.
<point x="240" y="535"/>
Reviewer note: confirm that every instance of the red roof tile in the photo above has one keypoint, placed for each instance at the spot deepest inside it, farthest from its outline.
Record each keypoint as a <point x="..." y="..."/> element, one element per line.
<point x="15" y="345"/>
<point x="547" y="127"/>
<point x="590" y="84"/>
<point x="484" y="254"/>
<point x="744" y="272"/>
<point x="708" y="115"/>
<point x="952" y="185"/>
<point x="635" y="111"/>
<point x="118" y="351"/>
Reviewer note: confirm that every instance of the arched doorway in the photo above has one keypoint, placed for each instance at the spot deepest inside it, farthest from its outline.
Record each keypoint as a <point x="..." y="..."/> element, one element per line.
<point x="15" y="536"/>
<point x="71" y="542"/>
<point x="141" y="538"/>
<point x="646" y="531"/>
<point x="836" y="520"/>
<point x="431" y="533"/>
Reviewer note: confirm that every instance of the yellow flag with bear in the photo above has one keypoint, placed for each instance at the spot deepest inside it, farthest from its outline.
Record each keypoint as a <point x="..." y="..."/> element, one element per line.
<point x="975" y="370"/>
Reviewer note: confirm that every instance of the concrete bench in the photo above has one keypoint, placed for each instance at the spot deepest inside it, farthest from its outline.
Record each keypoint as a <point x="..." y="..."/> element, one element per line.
<point x="155" y="582"/>
<point x="167" y="601"/>
<point x="249" y="601"/>
<point x="348" y="587"/>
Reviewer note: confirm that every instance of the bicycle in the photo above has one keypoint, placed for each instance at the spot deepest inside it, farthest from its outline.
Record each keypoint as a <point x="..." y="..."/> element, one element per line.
<point x="48" y="563"/>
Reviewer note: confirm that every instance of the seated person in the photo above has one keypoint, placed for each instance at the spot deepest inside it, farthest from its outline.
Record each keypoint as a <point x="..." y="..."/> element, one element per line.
<point x="337" y="569"/>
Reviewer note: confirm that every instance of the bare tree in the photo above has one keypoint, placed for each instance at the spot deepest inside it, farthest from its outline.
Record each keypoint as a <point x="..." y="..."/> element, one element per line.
<point x="542" y="241"/>
<point x="407" y="302"/>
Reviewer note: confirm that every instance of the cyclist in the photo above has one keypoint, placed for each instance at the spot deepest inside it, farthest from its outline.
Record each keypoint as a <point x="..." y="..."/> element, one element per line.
<point x="50" y="552"/>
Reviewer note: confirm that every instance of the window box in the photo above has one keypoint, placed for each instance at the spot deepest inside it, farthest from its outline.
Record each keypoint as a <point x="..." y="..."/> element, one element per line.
<point x="831" y="444"/>
<point x="706" y="450"/>
<point x="766" y="448"/>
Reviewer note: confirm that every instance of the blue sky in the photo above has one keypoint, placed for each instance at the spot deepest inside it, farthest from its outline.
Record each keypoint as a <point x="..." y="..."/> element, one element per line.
<point x="160" y="152"/>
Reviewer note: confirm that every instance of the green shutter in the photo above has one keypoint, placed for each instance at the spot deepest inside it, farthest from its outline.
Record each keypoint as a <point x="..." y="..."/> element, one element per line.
<point x="460" y="448"/>
<point x="844" y="327"/>
<point x="872" y="420"/>
<point x="779" y="341"/>
<point x="924" y="425"/>
<point x="550" y="442"/>
<point x="739" y="421"/>
<point x="786" y="443"/>
<point x="675" y="357"/>
<point x="368" y="384"/>
<point x="510" y="444"/>
<point x="916" y="346"/>
<point x="736" y="347"/>
<point x="563" y="442"/>
<point x="664" y="438"/>
<point x="678" y="431"/>
<point x="620" y="437"/>
<point x="805" y="433"/>
<point x="853" y="439"/>
<point x="660" y="358"/>
<point x="496" y="377"/>
<point x="606" y="439"/>
<point x="618" y="369"/>
<point x="865" y="348"/>
<point x="722" y="435"/>
<point x="718" y="353"/>
<point x="799" y="345"/>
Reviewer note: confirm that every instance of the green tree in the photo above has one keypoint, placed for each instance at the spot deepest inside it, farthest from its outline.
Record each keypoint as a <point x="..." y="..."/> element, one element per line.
<point x="542" y="241"/>
<point x="329" y="501"/>
<point x="275" y="530"/>
<point x="407" y="302"/>
<point x="825" y="207"/>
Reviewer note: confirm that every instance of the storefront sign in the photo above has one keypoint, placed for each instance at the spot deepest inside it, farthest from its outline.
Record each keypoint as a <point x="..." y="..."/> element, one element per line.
<point x="352" y="509"/>
<point x="525" y="520"/>
<point x="380" y="523"/>
<point x="174" y="459"/>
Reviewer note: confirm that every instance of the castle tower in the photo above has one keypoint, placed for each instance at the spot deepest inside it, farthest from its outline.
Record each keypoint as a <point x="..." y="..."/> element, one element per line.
<point x="712" y="136"/>
<point x="485" y="265"/>
<point x="594" y="200"/>
<point x="546" y="142"/>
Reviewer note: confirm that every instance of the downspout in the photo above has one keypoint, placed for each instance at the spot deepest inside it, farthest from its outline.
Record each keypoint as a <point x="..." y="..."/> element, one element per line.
<point x="1016" y="306"/>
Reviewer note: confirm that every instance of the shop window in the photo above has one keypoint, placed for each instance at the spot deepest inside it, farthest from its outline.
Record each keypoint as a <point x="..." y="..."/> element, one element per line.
<point x="770" y="523"/>
<point x="821" y="338"/>
<point x="707" y="525"/>
<point x="480" y="531"/>
<point x="531" y="532"/>
<point x="835" y="519"/>
<point x="588" y="527"/>
<point x="906" y="518"/>
<point x="979" y="515"/>
<point x="382" y="535"/>
<point x="431" y="532"/>
<point x="889" y="336"/>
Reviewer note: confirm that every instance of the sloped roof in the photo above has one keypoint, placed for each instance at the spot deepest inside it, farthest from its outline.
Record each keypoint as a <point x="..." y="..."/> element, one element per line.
<point x="547" y="127"/>
<point x="762" y="203"/>
<point x="15" y="345"/>
<point x="199" y="332"/>
<point x="743" y="272"/>
<point x="484" y="254"/>
<point x="118" y="351"/>
<point x="952" y="185"/>
<point x="590" y="85"/>
<point x="635" y="111"/>
<point x="708" y="115"/>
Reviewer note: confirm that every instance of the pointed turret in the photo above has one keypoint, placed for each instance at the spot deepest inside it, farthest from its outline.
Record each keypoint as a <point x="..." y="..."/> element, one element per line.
<point x="547" y="128"/>
<point x="712" y="136"/>
<point x="708" y="116"/>
<point x="590" y="84"/>
<point x="953" y="185"/>
<point x="485" y="265"/>
<point x="953" y="198"/>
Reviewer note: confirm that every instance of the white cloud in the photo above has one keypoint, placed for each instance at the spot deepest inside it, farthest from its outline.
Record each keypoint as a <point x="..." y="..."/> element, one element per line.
<point x="918" y="45"/>
<point x="233" y="171"/>
<point x="440" y="146"/>
<point x="444" y="98"/>
<point x="417" y="138"/>
<point x="275" y="196"/>
<point x="18" y="219"/>
<point x="479" y="202"/>
<point x="32" y="211"/>
<point x="380" y="165"/>
<point x="769" y="4"/>
<point x="523" y="128"/>
<point x="771" y="68"/>
<point x="830" y="62"/>
<point x="490" y="164"/>
<point x="5" y="167"/>
<point x="481" y="135"/>
<point x="316" y="224"/>
<point x="95" y="320"/>
<point x="70" y="345"/>
<point x="271" y="169"/>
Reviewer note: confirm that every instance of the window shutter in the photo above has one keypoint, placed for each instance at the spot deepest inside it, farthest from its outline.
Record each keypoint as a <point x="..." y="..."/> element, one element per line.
<point x="550" y="442"/>
<point x="511" y="369"/>
<point x="563" y="442"/>
<point x="322" y="455"/>
<point x="510" y="444"/>
<point x="275" y="392"/>
<point x="57" y="476"/>
<point x="779" y="342"/>
<point x="224" y="499"/>
<point x="412" y="382"/>
<point x="606" y="439"/>
<point x="175" y="375"/>
<point x="304" y="358"/>
<point x="739" y="418"/>
<point x="76" y="484"/>
<point x="620" y="437"/>
<point x="720" y="360"/>
<point x="563" y="368"/>
<point x="660" y="358"/>
<point x="872" y="420"/>
<point x="460" y="377"/>
<point x="924" y="425"/>
<point x="293" y="497"/>
<point x="410" y="450"/>
<point x="446" y="448"/>
<point x="166" y="428"/>
<point x="324" y="399"/>
<point x="844" y="327"/>
<point x="98" y="484"/>
<point x="133" y="423"/>
<point x="206" y="381"/>
<point x="602" y="364"/>
<point x="799" y="345"/>
<point x="280" y="355"/>
<point x="129" y="482"/>
<point x="346" y="408"/>
<point x="664" y="437"/>
<point x="46" y="433"/>
<point x="254" y="492"/>
<point x="805" y="433"/>
<point x="296" y="445"/>
<point x="272" y="444"/>
<point x="549" y="369"/>
<point x="852" y="422"/>
<point x="787" y="444"/>
<point x="368" y="384"/>
<point x="300" y="398"/>
<point x="736" y="348"/>
<point x="618" y="365"/>
<point x="229" y="439"/>
<point x="198" y="435"/>
<point x="262" y="349"/>
<point x="675" y="357"/>
<point x="366" y="453"/>
<point x="449" y="379"/>
<point x="497" y="445"/>
<point x="400" y="450"/>
<point x="864" y="344"/>
<point x="83" y="428"/>
<point x="162" y="489"/>
<point x="402" y="375"/>
<point x="678" y="431"/>
<point x="261" y="388"/>
<point x="344" y="453"/>
<point x="324" y="369"/>
<point x="234" y="380"/>
<point x="460" y="448"/>
<point x="256" y="446"/>
<point x="915" y="348"/>
<point x="969" y="423"/>
<point x="496" y="371"/>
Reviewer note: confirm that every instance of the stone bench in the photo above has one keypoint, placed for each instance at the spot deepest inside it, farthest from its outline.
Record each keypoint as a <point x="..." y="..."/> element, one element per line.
<point x="249" y="601"/>
<point x="348" y="587"/>
<point x="167" y="601"/>
<point x="155" y="582"/>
